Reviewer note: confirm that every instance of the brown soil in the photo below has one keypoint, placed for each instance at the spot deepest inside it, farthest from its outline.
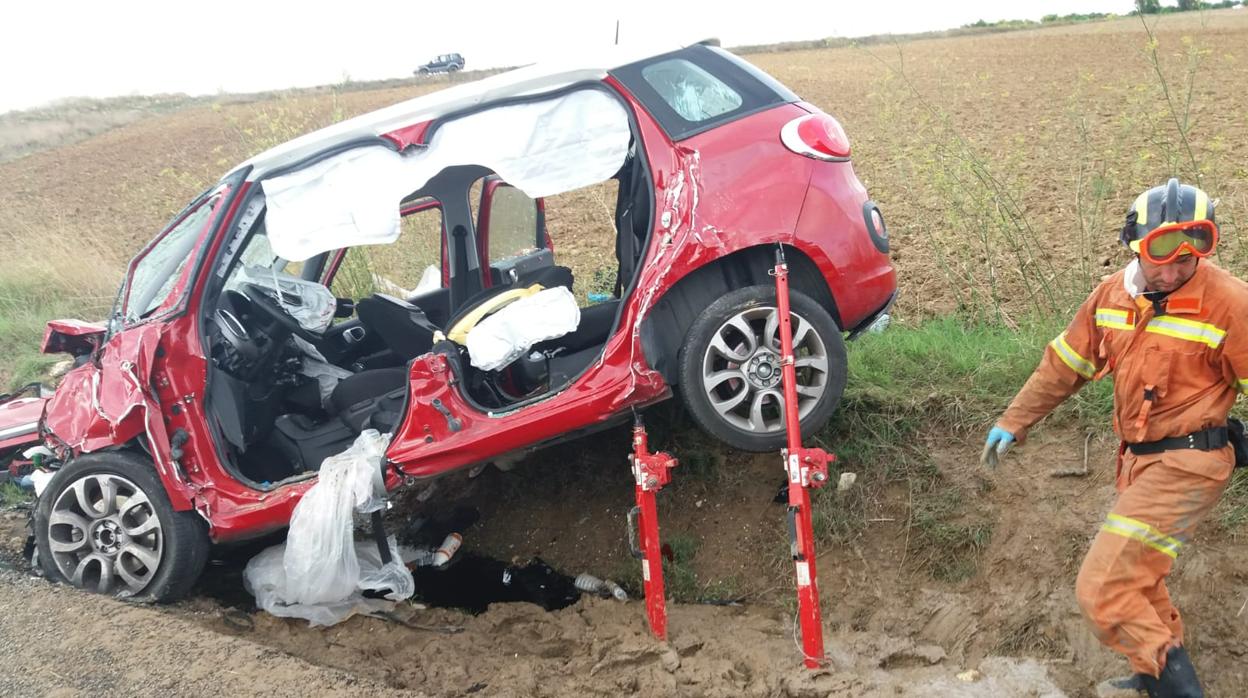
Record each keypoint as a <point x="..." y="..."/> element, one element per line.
<point x="892" y="629"/>
<point x="1017" y="99"/>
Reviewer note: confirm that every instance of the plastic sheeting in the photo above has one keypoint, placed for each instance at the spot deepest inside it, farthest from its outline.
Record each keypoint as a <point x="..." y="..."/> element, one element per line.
<point x="507" y="334"/>
<point x="265" y="574"/>
<point x="430" y="280"/>
<point x="542" y="148"/>
<point x="320" y="572"/>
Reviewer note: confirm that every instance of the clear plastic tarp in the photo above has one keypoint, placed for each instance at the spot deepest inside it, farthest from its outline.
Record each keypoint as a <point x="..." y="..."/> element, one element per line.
<point x="320" y="573"/>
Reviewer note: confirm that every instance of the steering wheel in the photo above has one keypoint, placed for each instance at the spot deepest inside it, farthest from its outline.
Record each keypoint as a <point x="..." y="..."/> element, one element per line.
<point x="236" y="335"/>
<point x="262" y="301"/>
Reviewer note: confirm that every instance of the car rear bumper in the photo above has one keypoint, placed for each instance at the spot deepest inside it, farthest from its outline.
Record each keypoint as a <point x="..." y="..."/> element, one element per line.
<point x="877" y="320"/>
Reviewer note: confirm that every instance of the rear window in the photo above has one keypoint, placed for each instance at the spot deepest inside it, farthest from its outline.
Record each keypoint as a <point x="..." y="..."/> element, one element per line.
<point x="700" y="87"/>
<point x="693" y="93"/>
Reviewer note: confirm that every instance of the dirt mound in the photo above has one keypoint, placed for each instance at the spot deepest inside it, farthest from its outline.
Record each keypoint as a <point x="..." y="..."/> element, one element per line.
<point x="107" y="647"/>
<point x="892" y="628"/>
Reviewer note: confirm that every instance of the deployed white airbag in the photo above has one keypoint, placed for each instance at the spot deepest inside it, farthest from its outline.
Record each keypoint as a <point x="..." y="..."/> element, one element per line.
<point x="507" y="334"/>
<point x="542" y="148"/>
<point x="308" y="302"/>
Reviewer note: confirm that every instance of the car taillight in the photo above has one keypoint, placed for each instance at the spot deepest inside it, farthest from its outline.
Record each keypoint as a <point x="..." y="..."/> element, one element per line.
<point x="817" y="136"/>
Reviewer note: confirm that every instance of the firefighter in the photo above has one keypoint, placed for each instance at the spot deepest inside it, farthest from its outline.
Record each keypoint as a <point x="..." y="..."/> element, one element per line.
<point x="1172" y="327"/>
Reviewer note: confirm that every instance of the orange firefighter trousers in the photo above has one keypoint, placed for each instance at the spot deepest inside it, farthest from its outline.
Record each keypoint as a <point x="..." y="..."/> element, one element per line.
<point x="1122" y="583"/>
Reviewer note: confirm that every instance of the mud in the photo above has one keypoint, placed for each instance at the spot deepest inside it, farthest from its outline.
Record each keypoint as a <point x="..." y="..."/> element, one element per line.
<point x="892" y="629"/>
<point x="106" y="647"/>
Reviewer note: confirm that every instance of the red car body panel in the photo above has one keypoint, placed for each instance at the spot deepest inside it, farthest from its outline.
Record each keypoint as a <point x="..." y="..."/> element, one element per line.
<point x="717" y="192"/>
<point x="19" y="422"/>
<point x="108" y="403"/>
<point x="72" y="337"/>
<point x="834" y="204"/>
<point x="408" y="135"/>
<point x="427" y="444"/>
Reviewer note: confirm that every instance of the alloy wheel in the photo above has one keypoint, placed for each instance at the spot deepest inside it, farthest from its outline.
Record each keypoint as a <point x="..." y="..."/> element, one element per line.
<point x="104" y="535"/>
<point x="741" y="370"/>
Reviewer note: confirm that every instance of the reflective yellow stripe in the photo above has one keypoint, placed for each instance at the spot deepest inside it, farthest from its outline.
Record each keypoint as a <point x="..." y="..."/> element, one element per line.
<point x="1141" y="208"/>
<point x="1141" y="216"/>
<point x="1138" y="530"/>
<point x="1243" y="385"/>
<point x="1071" y="358"/>
<point x="1202" y="206"/>
<point x="1189" y="330"/>
<point x="1114" y="319"/>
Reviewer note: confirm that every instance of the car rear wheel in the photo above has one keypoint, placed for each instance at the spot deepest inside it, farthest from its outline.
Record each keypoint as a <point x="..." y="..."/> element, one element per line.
<point x="730" y="373"/>
<point x="105" y="524"/>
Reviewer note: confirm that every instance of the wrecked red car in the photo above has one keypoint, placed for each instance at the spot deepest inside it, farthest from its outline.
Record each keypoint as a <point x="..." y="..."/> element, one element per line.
<point x="265" y="328"/>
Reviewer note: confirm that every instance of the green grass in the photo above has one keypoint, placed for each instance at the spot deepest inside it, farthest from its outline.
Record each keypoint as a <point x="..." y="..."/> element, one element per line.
<point x="11" y="496"/>
<point x="26" y="305"/>
<point x="680" y="580"/>
<point x="1232" y="512"/>
<point x="958" y="374"/>
<point x="948" y="536"/>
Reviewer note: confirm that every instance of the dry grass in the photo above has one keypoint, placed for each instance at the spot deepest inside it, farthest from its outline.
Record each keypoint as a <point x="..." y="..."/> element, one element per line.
<point x="1003" y="162"/>
<point x="1041" y="135"/>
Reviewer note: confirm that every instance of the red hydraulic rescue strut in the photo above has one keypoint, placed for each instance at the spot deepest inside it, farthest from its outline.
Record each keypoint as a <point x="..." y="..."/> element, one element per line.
<point x="650" y="471"/>
<point x="806" y="468"/>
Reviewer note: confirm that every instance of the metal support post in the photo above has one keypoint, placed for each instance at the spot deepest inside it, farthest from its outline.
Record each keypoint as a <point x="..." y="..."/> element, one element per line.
<point x="805" y="468"/>
<point x="651" y="471"/>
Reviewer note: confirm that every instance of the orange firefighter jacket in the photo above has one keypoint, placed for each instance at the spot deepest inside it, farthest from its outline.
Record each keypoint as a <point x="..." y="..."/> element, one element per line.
<point x="1174" y="373"/>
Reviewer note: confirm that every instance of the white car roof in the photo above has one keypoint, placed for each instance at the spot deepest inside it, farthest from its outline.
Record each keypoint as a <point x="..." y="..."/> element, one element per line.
<point x="533" y="79"/>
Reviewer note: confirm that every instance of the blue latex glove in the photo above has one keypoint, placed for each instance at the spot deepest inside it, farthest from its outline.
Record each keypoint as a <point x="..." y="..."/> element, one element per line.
<point x="999" y="441"/>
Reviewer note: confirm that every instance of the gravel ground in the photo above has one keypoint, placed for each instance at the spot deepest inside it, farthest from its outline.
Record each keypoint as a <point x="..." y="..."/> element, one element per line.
<point x="55" y="641"/>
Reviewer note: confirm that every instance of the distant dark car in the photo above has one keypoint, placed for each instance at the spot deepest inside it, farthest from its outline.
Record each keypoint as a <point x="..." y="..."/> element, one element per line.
<point x="446" y="63"/>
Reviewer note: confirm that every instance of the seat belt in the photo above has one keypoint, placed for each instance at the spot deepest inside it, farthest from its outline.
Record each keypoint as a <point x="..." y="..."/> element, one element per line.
<point x="626" y="236"/>
<point x="459" y="252"/>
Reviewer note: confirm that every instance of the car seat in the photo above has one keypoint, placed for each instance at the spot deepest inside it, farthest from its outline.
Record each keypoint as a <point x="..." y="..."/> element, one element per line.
<point x="403" y="327"/>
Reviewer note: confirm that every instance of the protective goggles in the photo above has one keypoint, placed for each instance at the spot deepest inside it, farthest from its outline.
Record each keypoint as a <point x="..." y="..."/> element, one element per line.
<point x="1166" y="243"/>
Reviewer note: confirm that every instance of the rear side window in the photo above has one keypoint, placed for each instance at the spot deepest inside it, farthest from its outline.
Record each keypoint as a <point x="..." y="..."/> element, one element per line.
<point x="700" y="87"/>
<point x="693" y="93"/>
<point x="514" y="229"/>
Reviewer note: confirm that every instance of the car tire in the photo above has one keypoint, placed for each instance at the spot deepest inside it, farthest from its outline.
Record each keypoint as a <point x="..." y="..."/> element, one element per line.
<point x="729" y="368"/>
<point x="104" y="523"/>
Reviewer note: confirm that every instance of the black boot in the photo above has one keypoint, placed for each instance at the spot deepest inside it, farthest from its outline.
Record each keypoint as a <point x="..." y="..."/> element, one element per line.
<point x="1121" y="686"/>
<point x="1177" y="680"/>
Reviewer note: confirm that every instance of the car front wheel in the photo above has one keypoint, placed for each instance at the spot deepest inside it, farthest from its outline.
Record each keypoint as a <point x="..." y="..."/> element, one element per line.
<point x="105" y="524"/>
<point x="730" y="371"/>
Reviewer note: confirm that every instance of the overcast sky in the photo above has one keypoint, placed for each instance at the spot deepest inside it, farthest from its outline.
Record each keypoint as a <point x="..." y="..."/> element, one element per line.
<point x="65" y="48"/>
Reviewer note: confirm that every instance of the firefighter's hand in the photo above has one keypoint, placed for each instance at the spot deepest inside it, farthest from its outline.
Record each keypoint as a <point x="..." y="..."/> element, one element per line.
<point x="999" y="441"/>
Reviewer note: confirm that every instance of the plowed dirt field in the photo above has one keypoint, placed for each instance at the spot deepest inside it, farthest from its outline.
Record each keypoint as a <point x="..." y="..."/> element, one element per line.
<point x="1003" y="162"/>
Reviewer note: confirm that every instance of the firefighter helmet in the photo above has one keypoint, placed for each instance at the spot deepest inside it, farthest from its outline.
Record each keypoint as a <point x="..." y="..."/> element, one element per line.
<point x="1162" y="205"/>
